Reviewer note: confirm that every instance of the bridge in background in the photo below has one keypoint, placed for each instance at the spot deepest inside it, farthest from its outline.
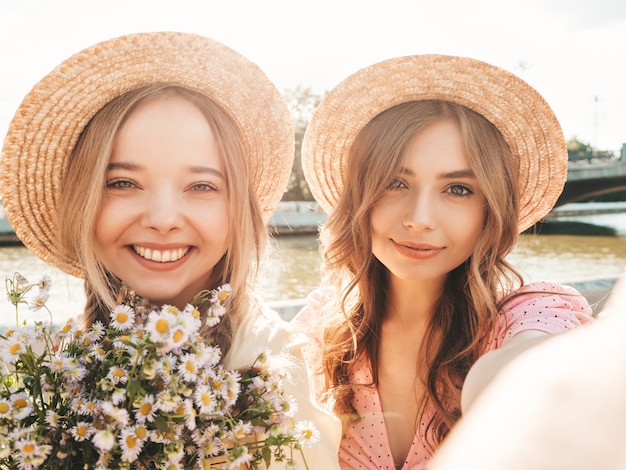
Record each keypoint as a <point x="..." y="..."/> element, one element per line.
<point x="585" y="180"/>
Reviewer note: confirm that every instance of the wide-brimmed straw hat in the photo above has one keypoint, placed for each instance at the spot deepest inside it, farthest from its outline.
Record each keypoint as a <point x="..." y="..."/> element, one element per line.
<point x="51" y="117"/>
<point x="517" y="110"/>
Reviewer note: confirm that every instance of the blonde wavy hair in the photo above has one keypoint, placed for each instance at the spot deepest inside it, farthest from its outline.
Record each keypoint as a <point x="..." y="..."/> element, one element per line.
<point x="77" y="216"/>
<point x="465" y="314"/>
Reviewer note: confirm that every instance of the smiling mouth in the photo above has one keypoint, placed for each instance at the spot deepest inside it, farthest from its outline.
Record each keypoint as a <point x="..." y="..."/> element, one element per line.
<point x="160" y="256"/>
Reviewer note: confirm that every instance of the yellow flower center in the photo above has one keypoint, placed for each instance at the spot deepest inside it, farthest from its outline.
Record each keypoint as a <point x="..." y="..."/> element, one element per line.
<point x="307" y="433"/>
<point x="28" y="448"/>
<point x="119" y="373"/>
<point x="122" y="317"/>
<point x="162" y="326"/>
<point x="81" y="431"/>
<point x="190" y="366"/>
<point x="131" y="442"/>
<point x="15" y="348"/>
<point x="141" y="432"/>
<point x="206" y="399"/>
<point x="178" y="335"/>
<point x="4" y="408"/>
<point x="145" y="409"/>
<point x="20" y="403"/>
<point x="222" y="296"/>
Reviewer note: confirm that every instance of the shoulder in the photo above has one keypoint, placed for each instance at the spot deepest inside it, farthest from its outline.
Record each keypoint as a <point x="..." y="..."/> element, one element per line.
<point x="541" y="306"/>
<point x="316" y="312"/>
<point x="260" y="330"/>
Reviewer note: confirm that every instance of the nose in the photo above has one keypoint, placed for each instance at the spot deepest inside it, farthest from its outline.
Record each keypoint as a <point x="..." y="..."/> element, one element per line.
<point x="162" y="210"/>
<point x="420" y="213"/>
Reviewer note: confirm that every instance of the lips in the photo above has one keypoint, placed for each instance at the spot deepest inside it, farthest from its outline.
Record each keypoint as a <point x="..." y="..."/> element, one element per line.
<point x="160" y="256"/>
<point x="417" y="250"/>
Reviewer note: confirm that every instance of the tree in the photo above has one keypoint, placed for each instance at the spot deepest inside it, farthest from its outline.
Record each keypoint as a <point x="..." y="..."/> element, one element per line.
<point x="302" y="102"/>
<point x="579" y="151"/>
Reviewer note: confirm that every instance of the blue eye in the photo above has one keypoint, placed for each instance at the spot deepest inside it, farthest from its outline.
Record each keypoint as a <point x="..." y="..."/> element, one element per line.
<point x="203" y="187"/>
<point x="459" y="190"/>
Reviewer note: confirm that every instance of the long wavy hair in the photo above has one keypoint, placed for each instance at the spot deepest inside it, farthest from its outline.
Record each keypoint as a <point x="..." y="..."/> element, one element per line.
<point x="85" y="174"/>
<point x="464" y="316"/>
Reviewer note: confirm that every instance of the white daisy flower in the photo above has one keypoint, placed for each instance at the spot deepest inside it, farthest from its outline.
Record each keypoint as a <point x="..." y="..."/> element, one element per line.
<point x="118" y="375"/>
<point x="45" y="283"/>
<point x="104" y="440"/>
<point x="21" y="405"/>
<point x="204" y="399"/>
<point x="241" y="430"/>
<point x="130" y="444"/>
<point x="122" y="318"/>
<point x="307" y="433"/>
<point x="82" y="431"/>
<point x="146" y="409"/>
<point x="5" y="408"/>
<point x="188" y="369"/>
<point x="39" y="300"/>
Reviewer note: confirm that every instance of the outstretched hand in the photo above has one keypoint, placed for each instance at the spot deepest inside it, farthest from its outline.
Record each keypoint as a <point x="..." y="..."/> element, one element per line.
<point x="560" y="405"/>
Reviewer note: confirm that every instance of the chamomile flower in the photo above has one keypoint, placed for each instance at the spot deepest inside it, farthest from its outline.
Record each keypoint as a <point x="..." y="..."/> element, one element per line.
<point x="122" y="318"/>
<point x="145" y="409"/>
<point x="239" y="455"/>
<point x="39" y="300"/>
<point x="13" y="346"/>
<point x="207" y="356"/>
<point x="118" y="375"/>
<point x="204" y="399"/>
<point x="130" y="444"/>
<point x="5" y="408"/>
<point x="104" y="440"/>
<point x="119" y="415"/>
<point x="188" y="369"/>
<point x="45" y="283"/>
<point x="160" y="325"/>
<point x="21" y="405"/>
<point x="307" y="433"/>
<point x="31" y="454"/>
<point x="82" y="431"/>
<point x="241" y="430"/>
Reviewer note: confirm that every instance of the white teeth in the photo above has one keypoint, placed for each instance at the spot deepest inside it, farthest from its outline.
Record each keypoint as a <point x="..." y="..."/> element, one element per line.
<point x="161" y="256"/>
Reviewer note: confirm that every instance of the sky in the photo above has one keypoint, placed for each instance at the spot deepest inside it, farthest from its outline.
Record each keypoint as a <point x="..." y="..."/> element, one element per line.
<point x="571" y="51"/>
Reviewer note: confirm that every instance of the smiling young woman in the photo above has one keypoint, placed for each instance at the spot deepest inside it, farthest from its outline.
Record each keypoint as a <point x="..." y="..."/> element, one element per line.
<point x="149" y="165"/>
<point x="428" y="166"/>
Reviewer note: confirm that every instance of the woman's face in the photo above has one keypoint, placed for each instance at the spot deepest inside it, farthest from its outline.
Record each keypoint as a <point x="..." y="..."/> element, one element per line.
<point x="432" y="213"/>
<point x="164" y="221"/>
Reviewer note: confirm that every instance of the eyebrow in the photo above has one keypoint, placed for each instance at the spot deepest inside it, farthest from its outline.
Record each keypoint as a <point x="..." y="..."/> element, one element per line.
<point x="193" y="169"/>
<point x="467" y="173"/>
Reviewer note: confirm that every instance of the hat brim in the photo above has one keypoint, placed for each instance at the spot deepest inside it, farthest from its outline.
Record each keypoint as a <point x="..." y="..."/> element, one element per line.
<point x="51" y="117"/>
<point x="517" y="110"/>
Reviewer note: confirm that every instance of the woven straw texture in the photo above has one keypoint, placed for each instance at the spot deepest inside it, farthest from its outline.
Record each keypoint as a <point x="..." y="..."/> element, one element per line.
<point x="51" y="117"/>
<point x="525" y="120"/>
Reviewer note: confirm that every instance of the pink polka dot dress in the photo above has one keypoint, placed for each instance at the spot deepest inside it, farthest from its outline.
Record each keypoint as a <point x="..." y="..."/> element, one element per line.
<point x="365" y="444"/>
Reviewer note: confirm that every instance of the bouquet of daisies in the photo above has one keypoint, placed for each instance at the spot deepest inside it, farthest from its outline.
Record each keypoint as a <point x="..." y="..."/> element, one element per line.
<point x="147" y="394"/>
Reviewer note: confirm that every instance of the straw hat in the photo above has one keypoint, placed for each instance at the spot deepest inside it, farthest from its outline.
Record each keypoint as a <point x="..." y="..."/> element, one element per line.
<point x="47" y="124"/>
<point x="527" y="123"/>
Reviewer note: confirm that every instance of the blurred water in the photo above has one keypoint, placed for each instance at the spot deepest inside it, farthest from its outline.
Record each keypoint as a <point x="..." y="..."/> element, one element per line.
<point x="292" y="271"/>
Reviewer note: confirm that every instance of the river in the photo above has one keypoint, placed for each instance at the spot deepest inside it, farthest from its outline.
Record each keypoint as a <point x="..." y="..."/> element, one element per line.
<point x="292" y="270"/>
